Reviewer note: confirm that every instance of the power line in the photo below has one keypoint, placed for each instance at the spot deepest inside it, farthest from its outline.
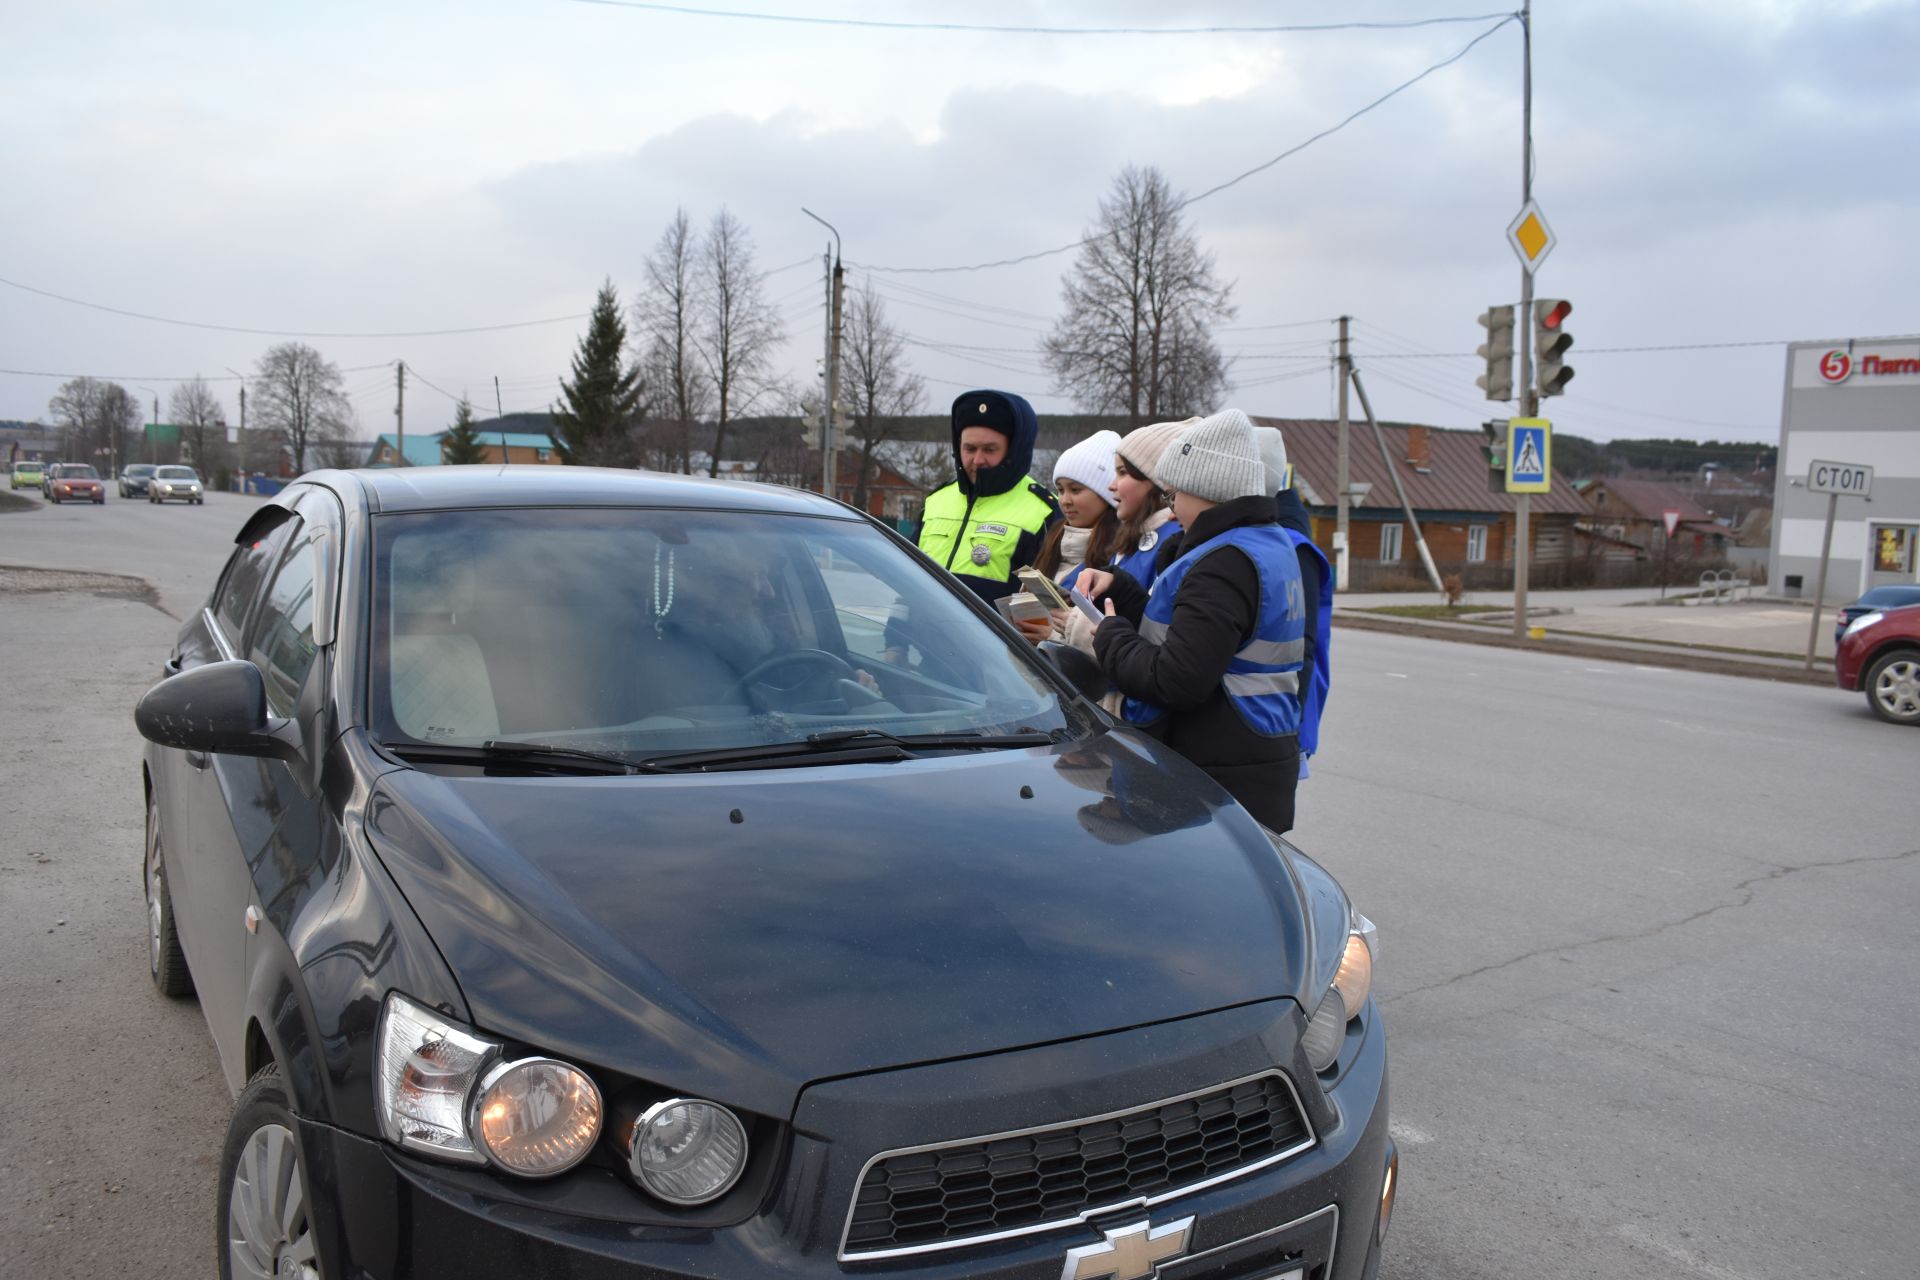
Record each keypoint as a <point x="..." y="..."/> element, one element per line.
<point x="995" y="29"/>
<point x="155" y="377"/>
<point x="1217" y="188"/>
<point x="317" y="333"/>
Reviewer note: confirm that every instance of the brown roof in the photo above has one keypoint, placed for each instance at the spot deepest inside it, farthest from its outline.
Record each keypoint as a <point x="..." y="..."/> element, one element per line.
<point x="1455" y="478"/>
<point x="1650" y="499"/>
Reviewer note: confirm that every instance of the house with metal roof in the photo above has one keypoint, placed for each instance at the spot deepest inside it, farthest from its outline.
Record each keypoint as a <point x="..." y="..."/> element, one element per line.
<point x="423" y="450"/>
<point x="1464" y="512"/>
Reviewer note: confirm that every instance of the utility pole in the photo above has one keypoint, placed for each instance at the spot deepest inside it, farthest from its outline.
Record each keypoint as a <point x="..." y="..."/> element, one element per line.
<point x="400" y="411"/>
<point x="240" y="445"/>
<point x="836" y="290"/>
<point x="1341" y="479"/>
<point x="1523" y="330"/>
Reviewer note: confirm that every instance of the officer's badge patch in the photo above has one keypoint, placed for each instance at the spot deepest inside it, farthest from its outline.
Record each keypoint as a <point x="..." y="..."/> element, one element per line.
<point x="981" y="553"/>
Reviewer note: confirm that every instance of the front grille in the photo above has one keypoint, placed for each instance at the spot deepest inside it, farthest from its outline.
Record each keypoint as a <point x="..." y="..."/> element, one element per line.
<point x="1028" y="1181"/>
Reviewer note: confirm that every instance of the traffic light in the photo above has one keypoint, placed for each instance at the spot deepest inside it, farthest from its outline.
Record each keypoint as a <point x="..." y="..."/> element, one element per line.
<point x="1496" y="450"/>
<point x="1497" y="351"/>
<point x="1550" y="344"/>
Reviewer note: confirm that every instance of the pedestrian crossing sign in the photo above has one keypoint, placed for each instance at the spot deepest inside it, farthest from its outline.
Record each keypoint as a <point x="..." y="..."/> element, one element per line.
<point x="1529" y="455"/>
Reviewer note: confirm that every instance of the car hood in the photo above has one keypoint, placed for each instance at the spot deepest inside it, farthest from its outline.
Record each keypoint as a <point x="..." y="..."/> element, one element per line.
<point x="745" y="933"/>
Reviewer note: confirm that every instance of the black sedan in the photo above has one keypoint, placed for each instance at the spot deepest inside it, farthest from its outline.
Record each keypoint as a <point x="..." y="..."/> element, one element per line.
<point x="1877" y="600"/>
<point x="575" y="883"/>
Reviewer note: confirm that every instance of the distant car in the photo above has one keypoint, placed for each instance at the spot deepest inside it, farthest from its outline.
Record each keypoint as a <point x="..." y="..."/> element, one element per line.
<point x="1880" y="656"/>
<point x="176" y="484"/>
<point x="74" y="482"/>
<point x="133" y="479"/>
<point x="27" y="475"/>
<point x="1879" y="599"/>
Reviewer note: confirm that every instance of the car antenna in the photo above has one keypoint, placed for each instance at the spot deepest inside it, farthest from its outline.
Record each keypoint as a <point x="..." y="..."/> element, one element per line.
<point x="502" y="415"/>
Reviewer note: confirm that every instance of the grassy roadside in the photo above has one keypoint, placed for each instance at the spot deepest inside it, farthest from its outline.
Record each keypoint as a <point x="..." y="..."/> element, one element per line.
<point x="11" y="502"/>
<point x="1437" y="612"/>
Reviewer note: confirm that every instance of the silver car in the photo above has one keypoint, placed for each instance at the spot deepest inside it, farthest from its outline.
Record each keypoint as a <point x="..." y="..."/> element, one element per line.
<point x="175" y="484"/>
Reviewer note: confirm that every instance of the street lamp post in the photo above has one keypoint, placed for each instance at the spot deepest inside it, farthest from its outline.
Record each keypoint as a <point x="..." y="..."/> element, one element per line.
<point x="154" y="433"/>
<point x="240" y="466"/>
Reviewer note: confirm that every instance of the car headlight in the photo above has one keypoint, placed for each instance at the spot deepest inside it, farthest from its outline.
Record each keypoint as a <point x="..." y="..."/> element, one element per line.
<point x="536" y="1117"/>
<point x="1864" y="620"/>
<point x="443" y="1090"/>
<point x="686" y="1151"/>
<point x="1344" y="998"/>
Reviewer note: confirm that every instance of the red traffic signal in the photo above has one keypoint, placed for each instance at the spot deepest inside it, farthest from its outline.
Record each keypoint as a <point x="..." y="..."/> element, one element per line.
<point x="1553" y="313"/>
<point x="1551" y="341"/>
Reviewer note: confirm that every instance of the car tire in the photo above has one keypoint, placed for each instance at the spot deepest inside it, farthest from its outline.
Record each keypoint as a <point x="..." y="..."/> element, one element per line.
<point x="262" y="1221"/>
<point x="1893" y="686"/>
<point x="101" y="501"/>
<point x="166" y="962"/>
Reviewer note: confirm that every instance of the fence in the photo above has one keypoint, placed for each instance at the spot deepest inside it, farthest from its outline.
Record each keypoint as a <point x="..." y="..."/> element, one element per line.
<point x="1373" y="575"/>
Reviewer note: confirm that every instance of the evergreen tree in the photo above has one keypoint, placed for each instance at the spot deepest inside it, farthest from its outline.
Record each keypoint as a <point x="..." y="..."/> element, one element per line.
<point x="462" y="446"/>
<point x="604" y="401"/>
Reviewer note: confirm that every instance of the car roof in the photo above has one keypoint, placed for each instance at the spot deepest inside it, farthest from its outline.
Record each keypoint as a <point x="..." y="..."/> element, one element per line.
<point x="441" y="488"/>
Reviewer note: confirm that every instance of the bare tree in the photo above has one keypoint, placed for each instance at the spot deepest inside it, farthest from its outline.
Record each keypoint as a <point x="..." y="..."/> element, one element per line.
<point x="202" y="420"/>
<point x="1140" y="303"/>
<point x="97" y="421"/>
<point x="300" y="400"/>
<point x="739" y="330"/>
<point x="881" y="392"/>
<point x="667" y="318"/>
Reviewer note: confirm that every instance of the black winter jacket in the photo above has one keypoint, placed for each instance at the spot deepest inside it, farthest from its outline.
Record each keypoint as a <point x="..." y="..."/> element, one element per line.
<point x="1213" y="617"/>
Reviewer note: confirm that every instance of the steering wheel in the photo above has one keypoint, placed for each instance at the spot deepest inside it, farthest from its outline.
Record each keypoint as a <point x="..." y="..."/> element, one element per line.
<point x="825" y="663"/>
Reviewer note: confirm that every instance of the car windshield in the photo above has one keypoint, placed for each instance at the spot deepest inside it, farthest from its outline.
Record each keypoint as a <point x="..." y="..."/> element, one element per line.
<point x="647" y="631"/>
<point x="1890" y="597"/>
<point x="140" y="469"/>
<point x="79" y="472"/>
<point x="175" y="473"/>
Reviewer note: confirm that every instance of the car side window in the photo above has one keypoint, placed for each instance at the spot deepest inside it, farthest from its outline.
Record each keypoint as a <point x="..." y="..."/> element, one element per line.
<point x="281" y="642"/>
<point x="243" y="577"/>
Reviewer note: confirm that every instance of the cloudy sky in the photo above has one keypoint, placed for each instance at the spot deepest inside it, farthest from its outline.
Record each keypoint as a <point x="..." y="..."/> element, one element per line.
<point x="1717" y="171"/>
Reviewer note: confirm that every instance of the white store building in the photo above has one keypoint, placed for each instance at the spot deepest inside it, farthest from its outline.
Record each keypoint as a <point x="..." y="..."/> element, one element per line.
<point x="1854" y="402"/>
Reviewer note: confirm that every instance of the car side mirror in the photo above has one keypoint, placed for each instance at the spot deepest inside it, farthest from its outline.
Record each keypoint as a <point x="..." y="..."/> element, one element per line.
<point x="219" y="708"/>
<point x="1082" y="671"/>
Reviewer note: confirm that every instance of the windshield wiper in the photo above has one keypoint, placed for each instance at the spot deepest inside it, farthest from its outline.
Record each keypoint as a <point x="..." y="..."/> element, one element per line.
<point x="537" y="755"/>
<point x="850" y="746"/>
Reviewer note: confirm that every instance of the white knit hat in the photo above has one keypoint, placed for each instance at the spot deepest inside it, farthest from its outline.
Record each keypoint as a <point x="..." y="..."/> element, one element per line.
<point x="1273" y="456"/>
<point x="1145" y="446"/>
<point x="1215" y="459"/>
<point x="1090" y="462"/>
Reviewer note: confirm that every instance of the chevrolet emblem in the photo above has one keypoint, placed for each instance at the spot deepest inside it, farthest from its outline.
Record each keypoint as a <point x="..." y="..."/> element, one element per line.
<point x="1128" y="1253"/>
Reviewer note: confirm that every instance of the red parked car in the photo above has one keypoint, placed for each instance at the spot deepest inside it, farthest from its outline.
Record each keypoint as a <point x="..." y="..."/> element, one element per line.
<point x="74" y="482"/>
<point x="1880" y="656"/>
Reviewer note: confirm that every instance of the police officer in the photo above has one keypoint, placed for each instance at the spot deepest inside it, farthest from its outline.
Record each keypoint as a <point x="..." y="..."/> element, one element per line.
<point x="1211" y="660"/>
<point x="990" y="521"/>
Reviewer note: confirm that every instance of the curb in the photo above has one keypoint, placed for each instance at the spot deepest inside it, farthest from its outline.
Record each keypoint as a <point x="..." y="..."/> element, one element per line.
<point x="1649" y="656"/>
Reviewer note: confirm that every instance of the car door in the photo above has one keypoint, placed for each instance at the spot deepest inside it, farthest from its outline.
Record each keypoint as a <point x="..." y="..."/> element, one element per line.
<point x="263" y="840"/>
<point x="191" y="802"/>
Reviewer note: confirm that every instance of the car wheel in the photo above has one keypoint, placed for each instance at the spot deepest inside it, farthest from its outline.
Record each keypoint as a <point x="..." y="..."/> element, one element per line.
<point x="1893" y="687"/>
<point x="265" y="1230"/>
<point x="166" y="962"/>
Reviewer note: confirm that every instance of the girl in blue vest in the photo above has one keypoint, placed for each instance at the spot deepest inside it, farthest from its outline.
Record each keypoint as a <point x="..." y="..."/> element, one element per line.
<point x="1150" y="528"/>
<point x="1089" y="531"/>
<point x="1210" y="660"/>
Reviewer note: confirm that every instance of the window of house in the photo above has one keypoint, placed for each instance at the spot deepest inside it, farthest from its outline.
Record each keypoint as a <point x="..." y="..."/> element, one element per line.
<point x="1389" y="542"/>
<point x="1476" y="543"/>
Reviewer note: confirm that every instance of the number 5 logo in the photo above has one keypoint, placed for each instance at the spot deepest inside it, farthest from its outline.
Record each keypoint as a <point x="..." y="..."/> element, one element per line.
<point x="1835" y="366"/>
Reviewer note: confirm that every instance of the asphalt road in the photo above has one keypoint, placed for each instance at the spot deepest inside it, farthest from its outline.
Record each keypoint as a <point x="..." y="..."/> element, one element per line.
<point x="1645" y="947"/>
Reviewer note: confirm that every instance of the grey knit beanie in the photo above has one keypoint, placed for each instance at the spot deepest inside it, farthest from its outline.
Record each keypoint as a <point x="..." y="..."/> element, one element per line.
<point x="1143" y="447"/>
<point x="1215" y="459"/>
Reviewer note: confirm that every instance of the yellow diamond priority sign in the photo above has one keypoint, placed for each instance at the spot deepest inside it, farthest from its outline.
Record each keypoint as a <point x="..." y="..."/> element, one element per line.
<point x="1532" y="239"/>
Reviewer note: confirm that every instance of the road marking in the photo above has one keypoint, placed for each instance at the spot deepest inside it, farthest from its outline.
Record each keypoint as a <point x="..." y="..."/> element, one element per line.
<point x="1633" y="1233"/>
<point x="1397" y="675"/>
<point x="1408" y="1134"/>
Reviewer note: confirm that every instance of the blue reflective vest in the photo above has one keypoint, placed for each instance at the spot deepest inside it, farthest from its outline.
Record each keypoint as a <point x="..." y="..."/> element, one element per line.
<point x="1263" y="680"/>
<point x="1138" y="562"/>
<point x="1320" y="679"/>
